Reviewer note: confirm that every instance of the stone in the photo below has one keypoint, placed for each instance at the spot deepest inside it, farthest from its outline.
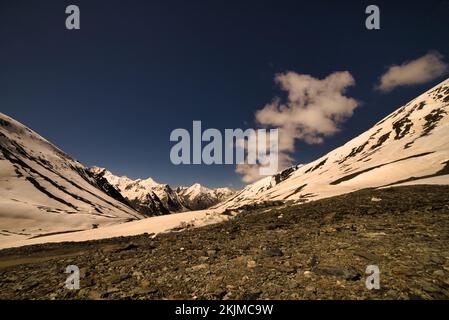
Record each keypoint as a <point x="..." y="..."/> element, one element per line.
<point x="345" y="273"/>
<point x="251" y="264"/>
<point x="274" y="252"/>
<point x="308" y="274"/>
<point x="211" y="253"/>
<point x="198" y="267"/>
<point x="438" y="273"/>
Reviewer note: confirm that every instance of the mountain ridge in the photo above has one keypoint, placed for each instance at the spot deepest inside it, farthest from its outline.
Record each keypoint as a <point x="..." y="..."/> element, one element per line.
<point x="413" y="139"/>
<point x="160" y="198"/>
<point x="44" y="190"/>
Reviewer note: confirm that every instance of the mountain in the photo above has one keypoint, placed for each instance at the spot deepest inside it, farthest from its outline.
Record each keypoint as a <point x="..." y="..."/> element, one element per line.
<point x="150" y="197"/>
<point x="198" y="197"/>
<point x="146" y="196"/>
<point x="43" y="190"/>
<point x="409" y="146"/>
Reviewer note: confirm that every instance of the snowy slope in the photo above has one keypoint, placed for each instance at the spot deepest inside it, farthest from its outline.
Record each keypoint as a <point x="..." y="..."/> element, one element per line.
<point x="409" y="146"/>
<point x="149" y="225"/>
<point x="43" y="190"/>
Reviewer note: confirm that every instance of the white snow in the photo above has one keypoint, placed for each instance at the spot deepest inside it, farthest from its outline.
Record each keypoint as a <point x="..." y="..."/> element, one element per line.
<point x="70" y="201"/>
<point x="394" y="162"/>
<point x="151" y="225"/>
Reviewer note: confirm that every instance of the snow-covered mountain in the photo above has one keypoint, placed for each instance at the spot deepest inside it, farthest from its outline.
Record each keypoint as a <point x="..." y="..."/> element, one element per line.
<point x="198" y="197"/>
<point x="409" y="146"/>
<point x="150" y="197"/>
<point x="146" y="195"/>
<point x="43" y="190"/>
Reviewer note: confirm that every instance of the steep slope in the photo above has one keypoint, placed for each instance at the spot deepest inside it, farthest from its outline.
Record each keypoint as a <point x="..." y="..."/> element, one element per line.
<point x="43" y="190"/>
<point x="409" y="146"/>
<point x="198" y="197"/>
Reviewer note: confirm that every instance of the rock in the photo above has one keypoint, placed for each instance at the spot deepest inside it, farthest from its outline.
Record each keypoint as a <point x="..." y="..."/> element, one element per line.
<point x="428" y="287"/>
<point x="145" y="290"/>
<point x="198" y="267"/>
<point x="251" y="264"/>
<point x="112" y="290"/>
<point x="228" y="296"/>
<point x="274" y="252"/>
<point x="347" y="274"/>
<point x="254" y="295"/>
<point x="127" y="247"/>
<point x="308" y="274"/>
<point x="292" y="284"/>
<point x="438" y="273"/>
<point x="437" y="260"/>
<point x="116" y="278"/>
<point x="310" y="288"/>
<point x="145" y="283"/>
<point x="367" y="255"/>
<point x="375" y="234"/>
<point x="94" y="295"/>
<point x="312" y="261"/>
<point x="211" y="253"/>
<point x="329" y="218"/>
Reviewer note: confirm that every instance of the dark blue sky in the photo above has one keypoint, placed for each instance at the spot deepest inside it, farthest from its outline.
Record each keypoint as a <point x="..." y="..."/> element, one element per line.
<point x="111" y="93"/>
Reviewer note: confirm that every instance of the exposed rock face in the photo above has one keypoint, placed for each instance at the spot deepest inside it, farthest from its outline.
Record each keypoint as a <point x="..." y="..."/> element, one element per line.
<point x="139" y="194"/>
<point x="198" y="197"/>
<point x="109" y="189"/>
<point x="153" y="198"/>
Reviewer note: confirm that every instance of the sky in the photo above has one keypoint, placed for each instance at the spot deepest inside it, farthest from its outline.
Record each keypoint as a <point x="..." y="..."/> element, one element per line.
<point x="111" y="93"/>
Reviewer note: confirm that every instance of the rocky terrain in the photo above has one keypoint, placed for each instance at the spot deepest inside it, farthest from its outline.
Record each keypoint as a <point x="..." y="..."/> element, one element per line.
<point x="274" y="250"/>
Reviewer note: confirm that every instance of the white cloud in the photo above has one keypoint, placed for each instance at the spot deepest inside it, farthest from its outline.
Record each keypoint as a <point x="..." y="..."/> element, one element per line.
<point x="249" y="172"/>
<point x="421" y="70"/>
<point x="314" y="110"/>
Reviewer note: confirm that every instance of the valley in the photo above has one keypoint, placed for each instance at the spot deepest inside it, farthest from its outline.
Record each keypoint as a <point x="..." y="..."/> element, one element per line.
<point x="308" y="232"/>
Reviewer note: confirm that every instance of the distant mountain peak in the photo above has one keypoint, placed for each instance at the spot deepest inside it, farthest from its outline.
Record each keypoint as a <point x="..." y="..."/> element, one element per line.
<point x="164" y="198"/>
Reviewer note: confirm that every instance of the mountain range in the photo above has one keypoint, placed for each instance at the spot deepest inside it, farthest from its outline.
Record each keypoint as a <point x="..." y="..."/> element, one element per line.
<point x="44" y="191"/>
<point x="152" y="198"/>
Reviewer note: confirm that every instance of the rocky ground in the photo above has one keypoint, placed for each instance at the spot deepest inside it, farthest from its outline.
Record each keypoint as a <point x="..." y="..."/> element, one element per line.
<point x="317" y="250"/>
